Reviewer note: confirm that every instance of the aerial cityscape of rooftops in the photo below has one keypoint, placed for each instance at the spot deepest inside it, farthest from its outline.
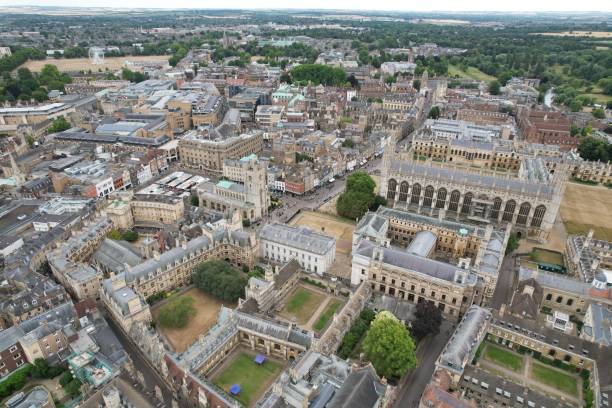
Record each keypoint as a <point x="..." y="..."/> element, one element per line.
<point x="305" y="208"/>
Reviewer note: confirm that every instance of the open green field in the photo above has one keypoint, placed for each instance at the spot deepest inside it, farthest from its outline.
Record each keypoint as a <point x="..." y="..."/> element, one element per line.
<point x="554" y="378"/>
<point x="252" y="378"/>
<point x="546" y="256"/>
<point x="471" y="73"/>
<point x="302" y="304"/>
<point x="327" y="314"/>
<point x="504" y="358"/>
<point x="599" y="97"/>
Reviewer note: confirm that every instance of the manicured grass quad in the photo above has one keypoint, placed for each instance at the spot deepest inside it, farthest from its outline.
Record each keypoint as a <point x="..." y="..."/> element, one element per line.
<point x="302" y="304"/>
<point x="327" y="314"/>
<point x="554" y="378"/>
<point x="252" y="378"/>
<point x="504" y="358"/>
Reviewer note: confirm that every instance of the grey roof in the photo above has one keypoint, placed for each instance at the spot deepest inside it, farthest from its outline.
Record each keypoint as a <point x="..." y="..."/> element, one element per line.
<point x="56" y="318"/>
<point x="194" y="246"/>
<point x="84" y="273"/>
<point x="601" y="318"/>
<point x="113" y="255"/>
<point x="301" y="238"/>
<point x="362" y="389"/>
<point x="430" y="267"/>
<point x="38" y="397"/>
<point x="465" y="339"/>
<point x="556" y="281"/>
<point x="371" y="224"/>
<point x="122" y="295"/>
<point x="392" y="213"/>
<point x="408" y="168"/>
<point x="111" y="138"/>
<point x="10" y="336"/>
<point x="423" y="243"/>
<point x="277" y="329"/>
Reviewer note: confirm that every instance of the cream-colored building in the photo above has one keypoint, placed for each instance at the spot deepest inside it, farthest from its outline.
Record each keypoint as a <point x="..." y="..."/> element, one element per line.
<point x="145" y="210"/>
<point x="67" y="261"/>
<point x="208" y="151"/>
<point x="126" y="306"/>
<point x="155" y="208"/>
<point x="119" y="211"/>
<point x="529" y="199"/>
<point x="174" y="267"/>
<point x="417" y="258"/>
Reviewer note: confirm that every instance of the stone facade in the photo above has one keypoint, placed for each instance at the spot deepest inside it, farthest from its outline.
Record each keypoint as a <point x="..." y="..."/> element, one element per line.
<point x="246" y="190"/>
<point x="529" y="202"/>
<point x="209" y="154"/>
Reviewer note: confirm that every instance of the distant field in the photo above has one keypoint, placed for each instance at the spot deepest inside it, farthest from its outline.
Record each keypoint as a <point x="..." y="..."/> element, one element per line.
<point x="599" y="97"/>
<point x="585" y="207"/>
<point x="83" y="64"/>
<point x="471" y="73"/>
<point x="594" y="34"/>
<point x="438" y="21"/>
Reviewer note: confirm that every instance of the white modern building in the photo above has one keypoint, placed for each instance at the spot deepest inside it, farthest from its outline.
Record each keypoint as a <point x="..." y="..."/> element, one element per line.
<point x="314" y="251"/>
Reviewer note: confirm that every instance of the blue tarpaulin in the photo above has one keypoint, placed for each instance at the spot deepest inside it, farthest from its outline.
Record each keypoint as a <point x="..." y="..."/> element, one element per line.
<point x="259" y="359"/>
<point x="235" y="389"/>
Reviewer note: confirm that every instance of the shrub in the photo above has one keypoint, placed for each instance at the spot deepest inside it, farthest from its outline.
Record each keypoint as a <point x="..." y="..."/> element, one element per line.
<point x="15" y="381"/>
<point x="130" y="236"/>
<point x="354" y="335"/>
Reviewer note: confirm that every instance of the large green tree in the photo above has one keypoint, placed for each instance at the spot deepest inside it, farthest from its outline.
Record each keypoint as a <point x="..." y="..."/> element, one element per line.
<point x="428" y="318"/>
<point x="359" y="196"/>
<point x="389" y="346"/>
<point x="593" y="149"/>
<point x="494" y="87"/>
<point x="220" y="279"/>
<point x="177" y="312"/>
<point x="319" y="74"/>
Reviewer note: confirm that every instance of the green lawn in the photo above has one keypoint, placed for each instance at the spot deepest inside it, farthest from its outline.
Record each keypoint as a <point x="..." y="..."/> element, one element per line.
<point x="547" y="256"/>
<point x="302" y="304"/>
<point x="327" y="314"/>
<point x="253" y="379"/>
<point x="471" y="73"/>
<point x="504" y="358"/>
<point x="557" y="379"/>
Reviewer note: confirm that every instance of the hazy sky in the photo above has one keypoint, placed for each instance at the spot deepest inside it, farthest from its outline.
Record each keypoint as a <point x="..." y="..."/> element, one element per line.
<point x="449" y="5"/>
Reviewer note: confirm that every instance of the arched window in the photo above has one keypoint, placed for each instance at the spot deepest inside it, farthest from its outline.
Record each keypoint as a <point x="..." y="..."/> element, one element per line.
<point x="416" y="194"/>
<point x="538" y="216"/>
<point x="391" y="186"/>
<point x="467" y="203"/>
<point x="441" y="198"/>
<point x="509" y="210"/>
<point x="403" y="195"/>
<point x="453" y="205"/>
<point x="497" y="203"/>
<point x="429" y="192"/>
<point x="524" y="210"/>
